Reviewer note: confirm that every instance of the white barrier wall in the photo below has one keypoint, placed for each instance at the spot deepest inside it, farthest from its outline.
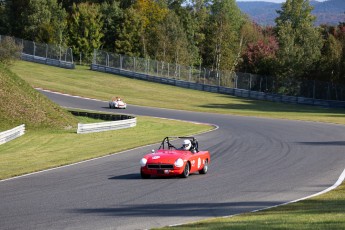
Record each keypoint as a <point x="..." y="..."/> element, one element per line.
<point x="106" y="126"/>
<point x="11" y="134"/>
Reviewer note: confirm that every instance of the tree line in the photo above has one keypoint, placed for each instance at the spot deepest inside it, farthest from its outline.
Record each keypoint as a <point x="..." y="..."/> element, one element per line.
<point x="210" y="33"/>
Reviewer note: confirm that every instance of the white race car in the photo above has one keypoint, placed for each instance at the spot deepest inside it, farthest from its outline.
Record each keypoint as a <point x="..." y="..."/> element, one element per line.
<point x="117" y="103"/>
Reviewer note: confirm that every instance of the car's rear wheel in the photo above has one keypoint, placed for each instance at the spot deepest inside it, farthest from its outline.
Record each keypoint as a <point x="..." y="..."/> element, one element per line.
<point x="205" y="168"/>
<point x="144" y="175"/>
<point x="186" y="171"/>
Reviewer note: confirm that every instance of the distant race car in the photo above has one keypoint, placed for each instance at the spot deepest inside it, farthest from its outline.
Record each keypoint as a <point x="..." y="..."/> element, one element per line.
<point x="171" y="161"/>
<point x="117" y="103"/>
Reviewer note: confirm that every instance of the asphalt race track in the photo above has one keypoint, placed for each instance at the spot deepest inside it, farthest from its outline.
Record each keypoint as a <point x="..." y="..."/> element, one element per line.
<point x="256" y="163"/>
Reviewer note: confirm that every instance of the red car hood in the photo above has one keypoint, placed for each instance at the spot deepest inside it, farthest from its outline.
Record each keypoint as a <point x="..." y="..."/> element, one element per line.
<point x="166" y="156"/>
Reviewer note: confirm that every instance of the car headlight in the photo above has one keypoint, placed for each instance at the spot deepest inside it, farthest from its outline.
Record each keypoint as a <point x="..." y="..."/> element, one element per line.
<point x="178" y="163"/>
<point x="143" y="162"/>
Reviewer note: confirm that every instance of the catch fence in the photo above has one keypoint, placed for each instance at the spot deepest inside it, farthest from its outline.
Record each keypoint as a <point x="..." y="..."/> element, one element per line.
<point x="48" y="54"/>
<point x="315" y="90"/>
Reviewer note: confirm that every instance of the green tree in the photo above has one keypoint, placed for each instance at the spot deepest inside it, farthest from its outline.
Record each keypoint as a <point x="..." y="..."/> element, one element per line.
<point x="4" y="27"/>
<point x="15" y="11"/>
<point x="112" y="16"/>
<point x="39" y="20"/>
<point x="130" y="34"/>
<point x="85" y="25"/>
<point x="223" y="41"/>
<point x="332" y="63"/>
<point x="299" y="41"/>
<point x="193" y="17"/>
<point x="170" y="42"/>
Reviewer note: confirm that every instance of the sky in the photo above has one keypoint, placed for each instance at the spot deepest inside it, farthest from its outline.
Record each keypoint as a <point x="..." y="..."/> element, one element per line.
<point x="275" y="1"/>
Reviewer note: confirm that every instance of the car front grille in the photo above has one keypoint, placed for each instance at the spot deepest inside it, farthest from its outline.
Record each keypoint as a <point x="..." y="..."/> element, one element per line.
<point x="160" y="166"/>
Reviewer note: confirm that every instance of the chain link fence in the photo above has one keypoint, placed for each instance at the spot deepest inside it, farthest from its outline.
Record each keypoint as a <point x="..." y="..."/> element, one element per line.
<point x="236" y="80"/>
<point x="45" y="53"/>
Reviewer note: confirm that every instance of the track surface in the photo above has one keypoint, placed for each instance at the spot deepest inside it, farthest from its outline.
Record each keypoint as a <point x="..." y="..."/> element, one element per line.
<point x="255" y="163"/>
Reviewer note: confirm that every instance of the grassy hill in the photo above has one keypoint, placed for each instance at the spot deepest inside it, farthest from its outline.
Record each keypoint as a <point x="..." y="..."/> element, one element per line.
<point x="21" y="104"/>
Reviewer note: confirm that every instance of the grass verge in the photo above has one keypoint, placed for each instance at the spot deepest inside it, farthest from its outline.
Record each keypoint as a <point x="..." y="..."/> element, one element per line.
<point x="47" y="148"/>
<point x="84" y="82"/>
<point x="326" y="211"/>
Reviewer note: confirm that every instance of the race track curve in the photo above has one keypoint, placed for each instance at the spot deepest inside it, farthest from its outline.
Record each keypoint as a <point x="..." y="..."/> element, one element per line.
<point x="255" y="163"/>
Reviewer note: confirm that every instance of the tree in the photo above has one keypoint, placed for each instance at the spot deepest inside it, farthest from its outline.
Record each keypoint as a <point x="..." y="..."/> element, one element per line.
<point x="85" y="24"/>
<point x="171" y="41"/>
<point x="15" y="11"/>
<point x="299" y="41"/>
<point x="223" y="42"/>
<point x="260" y="54"/>
<point x="332" y="63"/>
<point x="193" y="16"/>
<point x="4" y="22"/>
<point x="141" y="20"/>
<point x="112" y="16"/>
<point x="152" y="14"/>
<point x="131" y="30"/>
<point x="39" y="20"/>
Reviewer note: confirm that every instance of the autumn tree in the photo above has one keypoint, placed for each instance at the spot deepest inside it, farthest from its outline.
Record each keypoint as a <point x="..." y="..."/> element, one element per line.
<point x="141" y="19"/>
<point x="259" y="56"/>
<point x="299" y="41"/>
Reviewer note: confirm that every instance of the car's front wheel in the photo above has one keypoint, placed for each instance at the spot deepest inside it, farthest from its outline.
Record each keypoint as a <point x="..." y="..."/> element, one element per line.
<point x="186" y="171"/>
<point x="205" y="168"/>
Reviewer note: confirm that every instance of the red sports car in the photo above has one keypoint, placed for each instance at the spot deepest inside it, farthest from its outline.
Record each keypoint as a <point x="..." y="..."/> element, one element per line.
<point x="171" y="161"/>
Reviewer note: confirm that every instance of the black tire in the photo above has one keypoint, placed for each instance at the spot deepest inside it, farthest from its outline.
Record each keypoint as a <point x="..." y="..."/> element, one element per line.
<point x="205" y="168"/>
<point x="186" y="171"/>
<point x="144" y="175"/>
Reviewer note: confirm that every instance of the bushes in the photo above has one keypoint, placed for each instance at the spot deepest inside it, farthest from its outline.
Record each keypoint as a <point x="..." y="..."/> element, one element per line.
<point x="9" y="50"/>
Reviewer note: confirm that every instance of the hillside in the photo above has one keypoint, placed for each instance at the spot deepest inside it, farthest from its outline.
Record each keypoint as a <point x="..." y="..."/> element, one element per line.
<point x="330" y="12"/>
<point x="21" y="104"/>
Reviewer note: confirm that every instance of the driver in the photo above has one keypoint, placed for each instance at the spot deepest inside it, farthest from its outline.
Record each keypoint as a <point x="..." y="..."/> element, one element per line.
<point x="187" y="145"/>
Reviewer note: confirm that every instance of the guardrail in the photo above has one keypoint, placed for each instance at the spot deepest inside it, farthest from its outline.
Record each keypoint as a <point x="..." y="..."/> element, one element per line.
<point x="221" y="89"/>
<point x="47" y="61"/>
<point x="111" y="122"/>
<point x="106" y="126"/>
<point x="11" y="134"/>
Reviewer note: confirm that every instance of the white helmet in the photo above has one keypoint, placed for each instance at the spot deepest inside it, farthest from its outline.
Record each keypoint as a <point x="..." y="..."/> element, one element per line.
<point x="187" y="145"/>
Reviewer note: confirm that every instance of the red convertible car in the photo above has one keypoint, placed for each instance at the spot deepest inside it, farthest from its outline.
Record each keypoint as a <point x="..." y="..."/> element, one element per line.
<point x="169" y="160"/>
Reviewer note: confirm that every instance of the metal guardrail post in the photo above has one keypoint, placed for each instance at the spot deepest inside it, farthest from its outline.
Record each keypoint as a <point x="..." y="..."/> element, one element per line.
<point x="46" y="50"/>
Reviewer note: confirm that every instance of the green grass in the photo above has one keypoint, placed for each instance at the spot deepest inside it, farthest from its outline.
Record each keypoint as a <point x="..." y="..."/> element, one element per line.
<point x="46" y="148"/>
<point x="21" y="104"/>
<point x="84" y="82"/>
<point x="326" y="211"/>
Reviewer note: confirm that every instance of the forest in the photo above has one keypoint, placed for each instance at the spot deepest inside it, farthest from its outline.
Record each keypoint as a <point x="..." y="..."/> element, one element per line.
<point x="214" y="34"/>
